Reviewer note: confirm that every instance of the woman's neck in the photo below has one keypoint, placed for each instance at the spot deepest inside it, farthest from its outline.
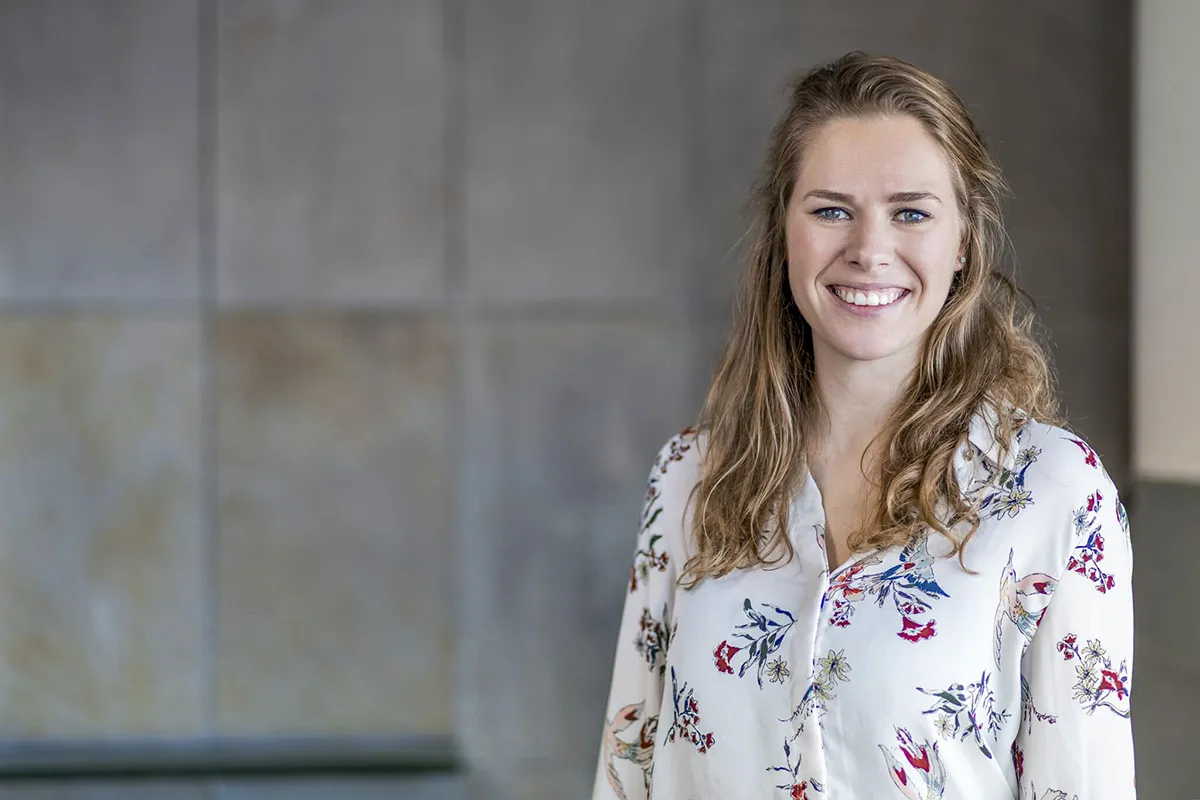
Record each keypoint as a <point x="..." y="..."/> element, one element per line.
<point x="856" y="398"/>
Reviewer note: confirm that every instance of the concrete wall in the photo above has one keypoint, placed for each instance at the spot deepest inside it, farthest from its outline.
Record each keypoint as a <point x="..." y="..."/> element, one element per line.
<point x="1167" y="381"/>
<point x="336" y="339"/>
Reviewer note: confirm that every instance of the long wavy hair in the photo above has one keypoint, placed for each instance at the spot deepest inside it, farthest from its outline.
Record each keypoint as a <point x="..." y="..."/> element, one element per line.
<point x="980" y="350"/>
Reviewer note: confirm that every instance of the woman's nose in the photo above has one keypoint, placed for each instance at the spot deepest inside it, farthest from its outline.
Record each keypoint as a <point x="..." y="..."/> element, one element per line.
<point x="870" y="246"/>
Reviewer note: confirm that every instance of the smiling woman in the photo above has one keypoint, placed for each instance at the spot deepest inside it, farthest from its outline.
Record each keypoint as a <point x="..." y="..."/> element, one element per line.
<point x="882" y="425"/>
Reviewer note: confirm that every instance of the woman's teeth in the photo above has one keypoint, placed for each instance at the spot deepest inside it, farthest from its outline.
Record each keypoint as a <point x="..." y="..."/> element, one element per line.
<point x="857" y="297"/>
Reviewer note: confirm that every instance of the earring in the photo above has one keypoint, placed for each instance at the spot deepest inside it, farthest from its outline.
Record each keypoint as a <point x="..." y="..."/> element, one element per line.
<point x="962" y="259"/>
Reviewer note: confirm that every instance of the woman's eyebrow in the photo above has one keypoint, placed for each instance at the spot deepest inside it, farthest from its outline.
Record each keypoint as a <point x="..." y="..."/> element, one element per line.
<point x="898" y="197"/>
<point x="908" y="197"/>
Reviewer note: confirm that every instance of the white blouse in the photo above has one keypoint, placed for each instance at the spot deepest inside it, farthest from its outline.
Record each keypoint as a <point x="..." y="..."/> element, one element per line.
<point x="898" y="675"/>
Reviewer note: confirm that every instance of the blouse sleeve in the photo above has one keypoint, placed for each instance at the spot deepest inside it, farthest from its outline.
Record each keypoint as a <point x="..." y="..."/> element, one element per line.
<point x="1076" y="739"/>
<point x="631" y="717"/>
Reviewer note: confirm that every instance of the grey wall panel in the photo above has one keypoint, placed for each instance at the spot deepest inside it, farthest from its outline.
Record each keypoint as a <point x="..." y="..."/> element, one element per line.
<point x="102" y="583"/>
<point x="330" y="131"/>
<point x="577" y="150"/>
<point x="1165" y="525"/>
<point x="99" y="165"/>
<point x="334" y="612"/>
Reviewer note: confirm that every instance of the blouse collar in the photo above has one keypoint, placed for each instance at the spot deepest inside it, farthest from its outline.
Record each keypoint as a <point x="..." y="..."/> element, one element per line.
<point x="983" y="446"/>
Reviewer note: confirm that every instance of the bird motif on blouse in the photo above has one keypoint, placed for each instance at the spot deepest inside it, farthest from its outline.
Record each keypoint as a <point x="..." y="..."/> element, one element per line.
<point x="640" y="751"/>
<point x="1013" y="595"/>
<point x="915" y="569"/>
<point x="920" y="775"/>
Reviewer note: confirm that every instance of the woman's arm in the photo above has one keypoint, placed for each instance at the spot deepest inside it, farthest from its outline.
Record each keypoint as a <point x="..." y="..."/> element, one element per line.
<point x="1076" y="738"/>
<point x="631" y="718"/>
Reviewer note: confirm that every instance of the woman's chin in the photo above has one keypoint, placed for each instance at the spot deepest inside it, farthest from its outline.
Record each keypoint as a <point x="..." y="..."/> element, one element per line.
<point x="869" y="350"/>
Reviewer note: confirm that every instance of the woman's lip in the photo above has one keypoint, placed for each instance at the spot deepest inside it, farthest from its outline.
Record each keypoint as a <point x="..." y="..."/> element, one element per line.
<point x="866" y="287"/>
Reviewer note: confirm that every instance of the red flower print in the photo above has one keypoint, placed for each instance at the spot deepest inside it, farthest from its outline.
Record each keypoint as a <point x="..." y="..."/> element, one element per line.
<point x="910" y="608"/>
<point x="1067" y="646"/>
<point x="1018" y="760"/>
<point x="687" y="717"/>
<point x="1098" y="680"/>
<point x="1085" y="559"/>
<point x="800" y="791"/>
<point x="915" y="631"/>
<point x="646" y="559"/>
<point x="1111" y="680"/>
<point x="841" y="614"/>
<point x="762" y="635"/>
<point x="722" y="654"/>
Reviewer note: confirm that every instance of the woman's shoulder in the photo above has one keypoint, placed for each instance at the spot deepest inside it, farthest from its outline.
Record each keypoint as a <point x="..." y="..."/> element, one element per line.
<point x="1052" y="457"/>
<point x="677" y="463"/>
<point x="1054" y="481"/>
<point x="1058" y="458"/>
<point x="673" y="475"/>
<point x="1069" y="508"/>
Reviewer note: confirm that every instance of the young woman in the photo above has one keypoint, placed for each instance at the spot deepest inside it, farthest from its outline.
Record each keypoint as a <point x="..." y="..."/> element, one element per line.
<point x="876" y="568"/>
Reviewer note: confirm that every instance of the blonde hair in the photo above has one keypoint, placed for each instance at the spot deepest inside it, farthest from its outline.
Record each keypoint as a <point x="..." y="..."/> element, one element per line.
<point x="762" y="400"/>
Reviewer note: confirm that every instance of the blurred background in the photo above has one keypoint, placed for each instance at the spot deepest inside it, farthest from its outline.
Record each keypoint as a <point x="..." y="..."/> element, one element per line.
<point x="337" y="339"/>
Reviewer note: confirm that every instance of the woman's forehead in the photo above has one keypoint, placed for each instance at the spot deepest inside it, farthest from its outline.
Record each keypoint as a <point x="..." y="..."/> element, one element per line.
<point x="875" y="155"/>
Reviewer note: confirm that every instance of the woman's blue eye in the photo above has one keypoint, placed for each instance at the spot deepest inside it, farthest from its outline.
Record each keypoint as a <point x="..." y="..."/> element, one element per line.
<point x="913" y="216"/>
<point x="830" y="213"/>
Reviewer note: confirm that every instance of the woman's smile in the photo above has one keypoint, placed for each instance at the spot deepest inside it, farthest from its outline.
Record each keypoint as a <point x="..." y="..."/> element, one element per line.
<point x="868" y="301"/>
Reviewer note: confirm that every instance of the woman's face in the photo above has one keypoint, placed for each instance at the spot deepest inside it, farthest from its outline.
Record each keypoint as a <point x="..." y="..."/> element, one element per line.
<point x="873" y="238"/>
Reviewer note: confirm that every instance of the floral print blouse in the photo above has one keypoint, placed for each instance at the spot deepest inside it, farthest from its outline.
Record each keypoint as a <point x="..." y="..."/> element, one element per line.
<point x="899" y="674"/>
